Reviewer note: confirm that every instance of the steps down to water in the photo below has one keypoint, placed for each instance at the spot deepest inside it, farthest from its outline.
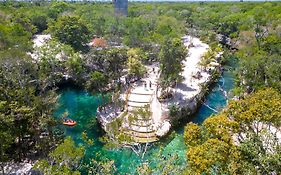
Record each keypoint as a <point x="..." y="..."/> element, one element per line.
<point x="141" y="129"/>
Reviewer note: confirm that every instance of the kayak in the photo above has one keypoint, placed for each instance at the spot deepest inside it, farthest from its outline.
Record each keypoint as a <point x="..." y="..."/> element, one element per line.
<point x="69" y="122"/>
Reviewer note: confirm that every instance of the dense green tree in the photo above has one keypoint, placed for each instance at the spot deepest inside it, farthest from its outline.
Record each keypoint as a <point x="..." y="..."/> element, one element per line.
<point x="58" y="61"/>
<point x="168" y="27"/>
<point x="260" y="20"/>
<point x="26" y="109"/>
<point x="57" y="8"/>
<point x="115" y="61"/>
<point x="258" y="116"/>
<point x="229" y="25"/>
<point x="71" y="30"/>
<point x="169" y="164"/>
<point x="97" y="81"/>
<point x="138" y="30"/>
<point x="260" y="70"/>
<point x="272" y="44"/>
<point x="101" y="167"/>
<point x="14" y="36"/>
<point x="74" y="65"/>
<point x="95" y="59"/>
<point x="135" y="67"/>
<point x="210" y="147"/>
<point x="6" y="136"/>
<point x="65" y="159"/>
<point x="40" y="21"/>
<point x="174" y="114"/>
<point x="172" y="53"/>
<point x="240" y="140"/>
<point x="25" y="22"/>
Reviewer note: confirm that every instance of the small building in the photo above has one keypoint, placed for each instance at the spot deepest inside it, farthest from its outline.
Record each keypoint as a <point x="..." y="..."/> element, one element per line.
<point x="98" y="42"/>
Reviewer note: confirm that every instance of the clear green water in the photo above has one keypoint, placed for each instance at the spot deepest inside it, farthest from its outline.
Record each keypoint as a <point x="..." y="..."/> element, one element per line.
<point x="82" y="108"/>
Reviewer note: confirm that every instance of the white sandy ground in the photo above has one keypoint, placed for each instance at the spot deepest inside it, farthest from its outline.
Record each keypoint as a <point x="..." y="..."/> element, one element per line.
<point x="189" y="87"/>
<point x="269" y="132"/>
<point x="18" y="168"/>
<point x="39" y="41"/>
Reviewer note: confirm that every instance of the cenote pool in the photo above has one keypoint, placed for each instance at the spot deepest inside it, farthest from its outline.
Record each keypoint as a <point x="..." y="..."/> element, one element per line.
<point x="82" y="106"/>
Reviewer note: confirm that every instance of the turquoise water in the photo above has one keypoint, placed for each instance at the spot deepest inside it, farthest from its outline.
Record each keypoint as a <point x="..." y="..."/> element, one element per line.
<point x="82" y="106"/>
<point x="216" y="98"/>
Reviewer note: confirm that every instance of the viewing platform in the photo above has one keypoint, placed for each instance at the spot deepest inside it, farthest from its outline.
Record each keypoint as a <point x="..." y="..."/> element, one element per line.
<point x="144" y="118"/>
<point x="142" y="96"/>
